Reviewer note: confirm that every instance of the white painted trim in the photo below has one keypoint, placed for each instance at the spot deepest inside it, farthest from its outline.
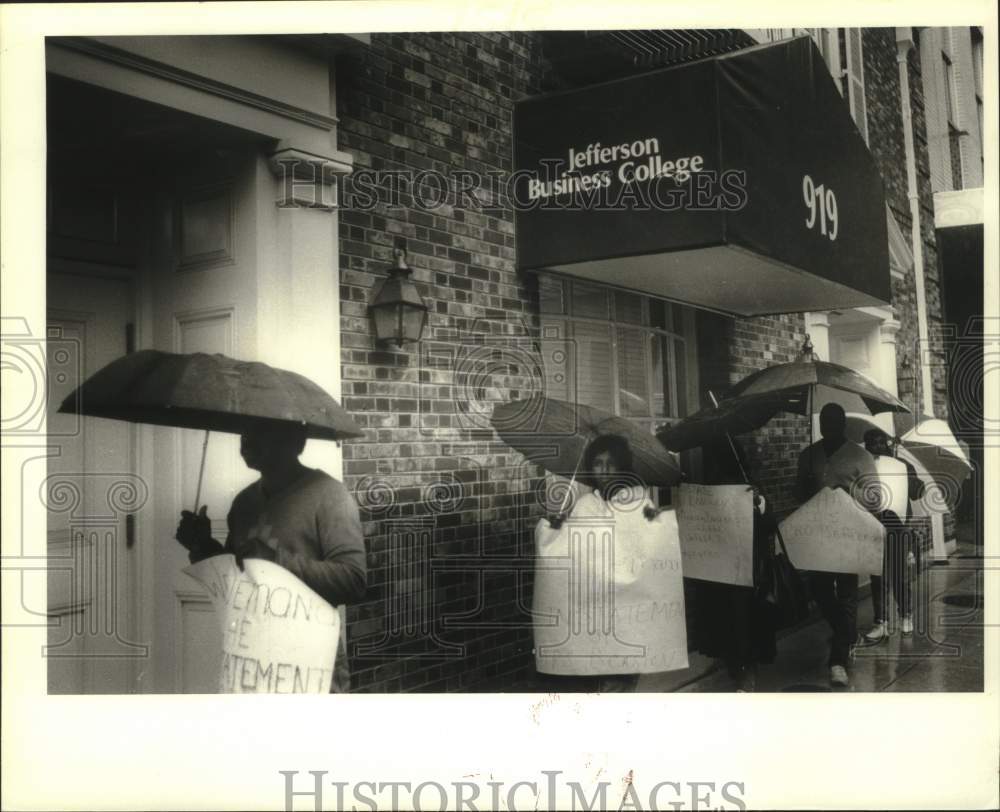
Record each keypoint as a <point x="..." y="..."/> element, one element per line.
<point x="964" y="207"/>
<point x="204" y="84"/>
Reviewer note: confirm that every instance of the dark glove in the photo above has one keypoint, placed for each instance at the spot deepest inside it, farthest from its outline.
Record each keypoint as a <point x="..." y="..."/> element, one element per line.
<point x="650" y="512"/>
<point x="195" y="530"/>
<point x="556" y="520"/>
<point x="195" y="533"/>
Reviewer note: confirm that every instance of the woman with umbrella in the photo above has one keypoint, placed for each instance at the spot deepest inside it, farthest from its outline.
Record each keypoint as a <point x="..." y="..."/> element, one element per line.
<point x="607" y="466"/>
<point x="606" y="564"/>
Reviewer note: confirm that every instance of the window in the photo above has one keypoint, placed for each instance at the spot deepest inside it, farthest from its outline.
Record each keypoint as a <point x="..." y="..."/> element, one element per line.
<point x="628" y="354"/>
<point x="977" y="81"/>
<point x="949" y="89"/>
<point x="954" y="133"/>
<point x="842" y="52"/>
<point x="853" y="76"/>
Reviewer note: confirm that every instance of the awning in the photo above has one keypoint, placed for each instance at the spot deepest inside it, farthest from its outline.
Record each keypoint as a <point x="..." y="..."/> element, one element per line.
<point x="738" y="183"/>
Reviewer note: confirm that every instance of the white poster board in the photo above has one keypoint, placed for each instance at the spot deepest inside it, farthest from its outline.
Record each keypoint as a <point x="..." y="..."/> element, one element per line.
<point x="716" y="532"/>
<point x="609" y="591"/>
<point x="893" y="486"/>
<point x="279" y="636"/>
<point x="831" y="533"/>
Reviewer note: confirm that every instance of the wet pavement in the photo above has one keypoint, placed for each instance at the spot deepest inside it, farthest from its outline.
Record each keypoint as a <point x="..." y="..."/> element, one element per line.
<point x="944" y="653"/>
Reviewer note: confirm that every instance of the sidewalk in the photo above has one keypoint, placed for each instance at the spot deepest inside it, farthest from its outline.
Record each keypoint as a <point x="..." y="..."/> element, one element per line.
<point x="945" y="652"/>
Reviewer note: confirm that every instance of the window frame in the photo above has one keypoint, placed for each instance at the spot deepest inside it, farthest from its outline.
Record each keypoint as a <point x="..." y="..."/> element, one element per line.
<point x="680" y="403"/>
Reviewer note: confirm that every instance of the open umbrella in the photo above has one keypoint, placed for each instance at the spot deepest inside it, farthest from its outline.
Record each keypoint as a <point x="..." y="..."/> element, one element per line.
<point x="210" y="392"/>
<point x="555" y="434"/>
<point x="787" y="387"/>
<point x="932" y="442"/>
<point x="932" y="450"/>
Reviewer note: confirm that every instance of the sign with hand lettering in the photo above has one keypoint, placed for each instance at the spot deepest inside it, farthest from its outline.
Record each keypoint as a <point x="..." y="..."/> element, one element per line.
<point x="716" y="532"/>
<point x="279" y="636"/>
<point x="830" y="533"/>
<point x="609" y="591"/>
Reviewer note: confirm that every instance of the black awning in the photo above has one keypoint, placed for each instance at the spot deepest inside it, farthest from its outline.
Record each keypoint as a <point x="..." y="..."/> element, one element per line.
<point x="738" y="183"/>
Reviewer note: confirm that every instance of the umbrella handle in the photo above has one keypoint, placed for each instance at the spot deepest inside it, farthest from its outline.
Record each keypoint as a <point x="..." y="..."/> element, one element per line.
<point x="569" y="490"/>
<point x="732" y="445"/>
<point x="201" y="472"/>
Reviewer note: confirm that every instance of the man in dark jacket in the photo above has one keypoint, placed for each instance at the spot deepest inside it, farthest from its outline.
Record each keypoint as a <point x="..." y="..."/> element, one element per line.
<point x="835" y="462"/>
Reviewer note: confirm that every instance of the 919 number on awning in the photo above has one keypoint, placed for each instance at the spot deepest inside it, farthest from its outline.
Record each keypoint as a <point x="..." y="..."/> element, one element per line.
<point x="822" y="205"/>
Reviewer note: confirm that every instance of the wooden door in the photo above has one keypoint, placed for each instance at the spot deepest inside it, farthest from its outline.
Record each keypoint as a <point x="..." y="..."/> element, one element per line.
<point x="201" y="286"/>
<point x="92" y="493"/>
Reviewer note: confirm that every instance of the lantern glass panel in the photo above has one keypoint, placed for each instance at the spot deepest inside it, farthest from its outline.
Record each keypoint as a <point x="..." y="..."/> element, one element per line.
<point x="386" y="322"/>
<point x="413" y="322"/>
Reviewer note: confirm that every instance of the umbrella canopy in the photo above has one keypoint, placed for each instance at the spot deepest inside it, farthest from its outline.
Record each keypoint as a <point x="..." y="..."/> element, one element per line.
<point x="731" y="416"/>
<point x="932" y="450"/>
<point x="791" y="387"/>
<point x="555" y="434"/>
<point x="792" y="381"/>
<point x="211" y="392"/>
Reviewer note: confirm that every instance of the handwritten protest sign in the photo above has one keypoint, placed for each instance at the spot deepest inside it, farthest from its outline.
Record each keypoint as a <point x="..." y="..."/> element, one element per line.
<point x="716" y="531"/>
<point x="831" y="533"/>
<point x="609" y="593"/>
<point x="893" y="485"/>
<point x="279" y="636"/>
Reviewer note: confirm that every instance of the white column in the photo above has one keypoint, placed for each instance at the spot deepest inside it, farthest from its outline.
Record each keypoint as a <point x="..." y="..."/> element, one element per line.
<point x="887" y="375"/>
<point x="818" y="328"/>
<point x="298" y="277"/>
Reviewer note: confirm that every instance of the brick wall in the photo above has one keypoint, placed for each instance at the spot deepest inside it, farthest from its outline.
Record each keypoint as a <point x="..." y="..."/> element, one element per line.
<point x="882" y="94"/>
<point x="447" y="509"/>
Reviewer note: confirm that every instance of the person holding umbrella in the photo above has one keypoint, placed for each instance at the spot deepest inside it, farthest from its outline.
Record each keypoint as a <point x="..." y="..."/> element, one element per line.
<point x="897" y="550"/>
<point x="607" y="466"/>
<point x="835" y="462"/>
<point x="595" y="580"/>
<point x="734" y="623"/>
<point x="297" y="517"/>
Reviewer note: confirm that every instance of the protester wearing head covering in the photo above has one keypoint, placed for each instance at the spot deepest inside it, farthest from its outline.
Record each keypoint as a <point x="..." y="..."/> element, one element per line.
<point x="899" y="548"/>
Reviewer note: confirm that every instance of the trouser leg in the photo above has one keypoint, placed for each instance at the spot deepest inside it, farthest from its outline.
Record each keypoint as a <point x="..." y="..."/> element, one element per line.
<point x="618" y="683"/>
<point x="880" y="598"/>
<point x="837" y="596"/>
<point x="846" y="634"/>
<point x="897" y="547"/>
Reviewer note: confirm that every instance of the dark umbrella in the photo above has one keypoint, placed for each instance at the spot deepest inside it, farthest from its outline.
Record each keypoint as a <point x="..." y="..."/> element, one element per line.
<point x="210" y="392"/>
<point x="555" y="434"/>
<point x="781" y="388"/>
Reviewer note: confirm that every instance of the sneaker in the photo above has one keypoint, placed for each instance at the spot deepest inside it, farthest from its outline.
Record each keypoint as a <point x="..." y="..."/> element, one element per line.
<point x="746" y="681"/>
<point x="906" y="625"/>
<point x="879" y="632"/>
<point x="838" y="676"/>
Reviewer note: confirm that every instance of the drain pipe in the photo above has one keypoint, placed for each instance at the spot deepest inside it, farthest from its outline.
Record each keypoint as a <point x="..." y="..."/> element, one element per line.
<point x="904" y="42"/>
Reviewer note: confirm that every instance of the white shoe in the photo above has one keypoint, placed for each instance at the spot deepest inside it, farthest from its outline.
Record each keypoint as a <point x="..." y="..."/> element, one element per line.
<point x="838" y="676"/>
<point x="878" y="633"/>
<point x="906" y="625"/>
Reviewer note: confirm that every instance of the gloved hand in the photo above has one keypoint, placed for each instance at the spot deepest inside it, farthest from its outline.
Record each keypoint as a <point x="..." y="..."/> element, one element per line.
<point x="195" y="529"/>
<point x="651" y="512"/>
<point x="195" y="534"/>
<point x="556" y="520"/>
